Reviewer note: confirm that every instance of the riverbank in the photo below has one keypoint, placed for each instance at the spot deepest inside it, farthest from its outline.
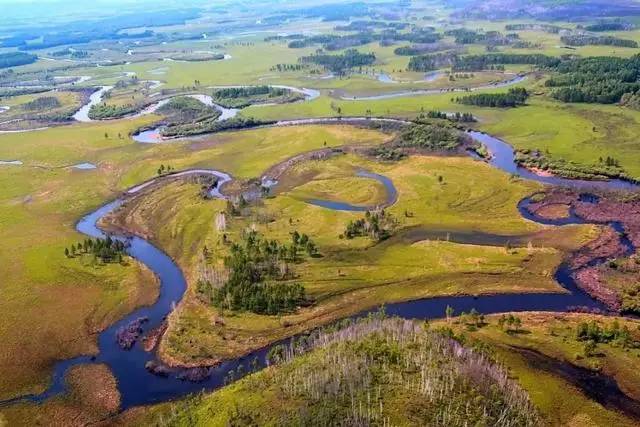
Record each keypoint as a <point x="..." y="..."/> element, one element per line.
<point x="591" y="380"/>
<point x="365" y="297"/>
<point x="450" y="183"/>
<point x="619" y="240"/>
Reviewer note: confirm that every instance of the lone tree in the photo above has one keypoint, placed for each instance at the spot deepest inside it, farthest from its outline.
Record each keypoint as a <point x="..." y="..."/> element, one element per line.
<point x="449" y="312"/>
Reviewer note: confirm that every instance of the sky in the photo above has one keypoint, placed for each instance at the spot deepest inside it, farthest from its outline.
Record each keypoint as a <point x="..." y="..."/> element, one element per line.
<point x="46" y="12"/>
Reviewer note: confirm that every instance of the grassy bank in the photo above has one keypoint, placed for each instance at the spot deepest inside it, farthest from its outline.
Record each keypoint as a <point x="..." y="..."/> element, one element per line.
<point x="555" y="335"/>
<point x="455" y="194"/>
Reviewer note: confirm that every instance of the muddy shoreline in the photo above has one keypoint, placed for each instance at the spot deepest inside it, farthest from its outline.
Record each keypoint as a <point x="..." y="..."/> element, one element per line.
<point x="619" y="238"/>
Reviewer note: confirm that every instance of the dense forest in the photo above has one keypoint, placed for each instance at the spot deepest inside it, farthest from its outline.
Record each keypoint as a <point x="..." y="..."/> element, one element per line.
<point x="105" y="111"/>
<point x="424" y="63"/>
<point x="339" y="64"/>
<point x="513" y="98"/>
<point x="13" y="59"/>
<point x="243" y="96"/>
<point x="465" y="36"/>
<point x="211" y="125"/>
<point x="601" y="80"/>
<point x="386" y="37"/>
<point x="616" y="25"/>
<point x="547" y="28"/>
<point x="488" y="61"/>
<point x="589" y="39"/>
<point x="360" y="25"/>
<point x="605" y="168"/>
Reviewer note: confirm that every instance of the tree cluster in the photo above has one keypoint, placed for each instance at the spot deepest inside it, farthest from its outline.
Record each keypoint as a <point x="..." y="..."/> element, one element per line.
<point x="165" y="170"/>
<point x="631" y="300"/>
<point x="339" y="64"/>
<point x="256" y="266"/>
<point x="592" y="334"/>
<point x="281" y="68"/>
<point x="385" y="153"/>
<point x="590" y="39"/>
<point x="455" y="117"/>
<point x="43" y="103"/>
<point x="429" y="135"/>
<point x="106" y="250"/>
<point x="602" y="80"/>
<point x="510" y="323"/>
<point x="377" y="225"/>
<point x="13" y="59"/>
<point x="513" y="98"/>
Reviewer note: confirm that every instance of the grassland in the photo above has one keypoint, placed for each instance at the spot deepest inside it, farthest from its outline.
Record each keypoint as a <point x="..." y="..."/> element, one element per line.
<point x="364" y="372"/>
<point x="23" y="114"/>
<point x="563" y="129"/>
<point x="92" y="397"/>
<point x="41" y="201"/>
<point x="39" y="206"/>
<point x="554" y="335"/>
<point x="352" y="275"/>
<point x="582" y="133"/>
<point x="54" y="306"/>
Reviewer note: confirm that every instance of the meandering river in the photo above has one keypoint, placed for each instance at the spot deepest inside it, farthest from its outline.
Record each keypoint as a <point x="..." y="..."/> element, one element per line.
<point x="419" y="92"/>
<point x="137" y="386"/>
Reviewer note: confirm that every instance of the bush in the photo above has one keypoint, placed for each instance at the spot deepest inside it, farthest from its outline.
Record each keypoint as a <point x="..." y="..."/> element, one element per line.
<point x="377" y="225"/>
<point x="430" y="136"/>
<point x="43" y="103"/>
<point x="105" y="112"/>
